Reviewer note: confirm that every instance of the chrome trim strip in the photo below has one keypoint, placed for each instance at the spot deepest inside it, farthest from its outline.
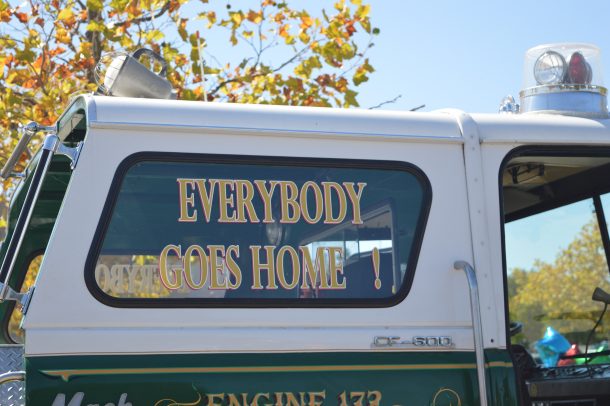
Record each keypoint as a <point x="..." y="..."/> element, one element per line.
<point x="561" y="88"/>
<point x="475" y="309"/>
<point x="280" y="132"/>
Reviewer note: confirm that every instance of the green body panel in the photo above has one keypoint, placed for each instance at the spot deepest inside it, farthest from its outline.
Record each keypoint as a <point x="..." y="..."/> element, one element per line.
<point x="356" y="378"/>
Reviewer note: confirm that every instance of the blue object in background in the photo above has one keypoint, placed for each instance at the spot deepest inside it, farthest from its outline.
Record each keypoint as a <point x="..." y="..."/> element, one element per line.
<point x="551" y="346"/>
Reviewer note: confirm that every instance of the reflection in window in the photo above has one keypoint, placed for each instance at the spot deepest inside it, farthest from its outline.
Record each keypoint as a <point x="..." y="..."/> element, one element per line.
<point x="369" y="251"/>
<point x="555" y="260"/>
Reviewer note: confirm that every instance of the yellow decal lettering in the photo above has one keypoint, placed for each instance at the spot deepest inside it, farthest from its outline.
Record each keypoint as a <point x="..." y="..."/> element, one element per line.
<point x="355" y="199"/>
<point x="291" y="399"/>
<point x="317" y="398"/>
<point x="244" y="192"/>
<point x="217" y="280"/>
<point x="225" y="201"/>
<point x="170" y="277"/>
<point x="311" y="269"/>
<point x="186" y="200"/>
<point x="374" y="398"/>
<point x="233" y="401"/>
<point x="231" y="254"/>
<point x="258" y="396"/>
<point x="291" y="212"/>
<point x="192" y="253"/>
<point x="335" y="255"/>
<point x="266" y="195"/>
<point x="258" y="266"/>
<point x="279" y="264"/>
<point x="206" y="197"/>
<point x="213" y="397"/>
<point x="319" y="207"/>
<point x="329" y="187"/>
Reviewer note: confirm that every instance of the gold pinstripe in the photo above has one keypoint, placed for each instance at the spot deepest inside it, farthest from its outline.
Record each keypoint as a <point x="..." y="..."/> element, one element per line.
<point x="66" y="374"/>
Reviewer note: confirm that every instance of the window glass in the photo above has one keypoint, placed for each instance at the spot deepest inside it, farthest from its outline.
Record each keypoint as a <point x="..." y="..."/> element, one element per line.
<point x="224" y="232"/>
<point x="555" y="260"/>
<point x="14" y="325"/>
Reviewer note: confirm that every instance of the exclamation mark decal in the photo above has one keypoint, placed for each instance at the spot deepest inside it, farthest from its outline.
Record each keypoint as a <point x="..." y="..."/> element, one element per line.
<point x="375" y="258"/>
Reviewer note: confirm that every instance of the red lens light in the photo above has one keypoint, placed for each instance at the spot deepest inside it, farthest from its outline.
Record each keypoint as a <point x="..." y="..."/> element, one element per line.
<point x="579" y="70"/>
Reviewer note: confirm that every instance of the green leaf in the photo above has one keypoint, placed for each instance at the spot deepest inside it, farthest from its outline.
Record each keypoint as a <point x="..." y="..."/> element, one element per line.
<point x="65" y="15"/>
<point x="97" y="5"/>
<point x="154" y="35"/>
<point x="363" y="11"/>
<point x="350" y="98"/>
<point x="96" y="26"/>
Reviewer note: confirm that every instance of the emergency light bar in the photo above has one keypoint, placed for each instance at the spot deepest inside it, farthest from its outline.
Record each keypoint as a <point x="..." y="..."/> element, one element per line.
<point x="564" y="79"/>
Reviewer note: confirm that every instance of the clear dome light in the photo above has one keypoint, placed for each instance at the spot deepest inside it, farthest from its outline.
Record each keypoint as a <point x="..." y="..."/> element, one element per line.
<point x="550" y="68"/>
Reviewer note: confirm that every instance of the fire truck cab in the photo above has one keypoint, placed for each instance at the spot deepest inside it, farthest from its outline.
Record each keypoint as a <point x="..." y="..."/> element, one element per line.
<point x="166" y="252"/>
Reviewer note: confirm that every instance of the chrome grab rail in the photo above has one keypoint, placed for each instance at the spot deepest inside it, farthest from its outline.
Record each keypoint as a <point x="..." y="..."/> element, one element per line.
<point x="475" y="309"/>
<point x="27" y="132"/>
<point x="12" y="376"/>
<point x="14" y="244"/>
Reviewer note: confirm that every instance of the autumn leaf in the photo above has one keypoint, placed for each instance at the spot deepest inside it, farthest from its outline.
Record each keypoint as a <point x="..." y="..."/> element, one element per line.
<point x="66" y="15"/>
<point x="254" y="17"/>
<point x="22" y="17"/>
<point x="54" y="47"/>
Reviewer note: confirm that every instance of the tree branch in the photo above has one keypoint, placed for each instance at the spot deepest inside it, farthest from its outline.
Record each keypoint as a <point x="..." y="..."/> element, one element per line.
<point x="394" y="100"/>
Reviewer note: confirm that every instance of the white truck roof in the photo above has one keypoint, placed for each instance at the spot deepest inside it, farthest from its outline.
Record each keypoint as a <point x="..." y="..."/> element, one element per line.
<point x="442" y="125"/>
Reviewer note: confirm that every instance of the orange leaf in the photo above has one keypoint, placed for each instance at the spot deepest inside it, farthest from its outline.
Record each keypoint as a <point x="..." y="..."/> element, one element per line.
<point x="254" y="17"/>
<point x="5" y="16"/>
<point x="22" y="17"/>
<point x="57" y="51"/>
<point x="306" y="22"/>
<point x="30" y="84"/>
<point x="284" y="30"/>
<point x="37" y="63"/>
<point x="133" y="8"/>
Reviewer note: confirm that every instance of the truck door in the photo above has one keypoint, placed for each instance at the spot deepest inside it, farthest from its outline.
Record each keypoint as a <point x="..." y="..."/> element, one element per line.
<point x="557" y="248"/>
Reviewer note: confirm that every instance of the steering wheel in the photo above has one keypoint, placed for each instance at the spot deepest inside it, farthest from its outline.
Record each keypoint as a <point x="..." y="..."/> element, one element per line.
<point x="515" y="327"/>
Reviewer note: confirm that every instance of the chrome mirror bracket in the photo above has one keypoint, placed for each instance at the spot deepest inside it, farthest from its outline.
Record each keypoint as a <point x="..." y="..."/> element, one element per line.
<point x="71" y="152"/>
<point x="11" y="295"/>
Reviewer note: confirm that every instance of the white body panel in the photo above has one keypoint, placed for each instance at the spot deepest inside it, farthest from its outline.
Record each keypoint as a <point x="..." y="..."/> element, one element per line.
<point x="68" y="312"/>
<point x="65" y="318"/>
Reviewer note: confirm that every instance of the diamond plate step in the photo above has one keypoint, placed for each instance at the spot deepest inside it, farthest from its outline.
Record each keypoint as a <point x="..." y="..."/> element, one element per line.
<point x="11" y="359"/>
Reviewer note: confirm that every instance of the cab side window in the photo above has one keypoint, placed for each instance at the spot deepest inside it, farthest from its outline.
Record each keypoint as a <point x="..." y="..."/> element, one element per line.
<point x="556" y="255"/>
<point x="230" y="231"/>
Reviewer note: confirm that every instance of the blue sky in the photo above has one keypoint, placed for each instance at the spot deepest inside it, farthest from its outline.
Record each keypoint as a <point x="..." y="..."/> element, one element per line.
<point x="469" y="54"/>
<point x="459" y="54"/>
<point x="544" y="235"/>
<point x="466" y="55"/>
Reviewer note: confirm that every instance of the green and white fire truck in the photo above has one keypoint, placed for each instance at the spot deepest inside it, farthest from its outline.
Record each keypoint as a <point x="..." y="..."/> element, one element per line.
<point x="168" y="252"/>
